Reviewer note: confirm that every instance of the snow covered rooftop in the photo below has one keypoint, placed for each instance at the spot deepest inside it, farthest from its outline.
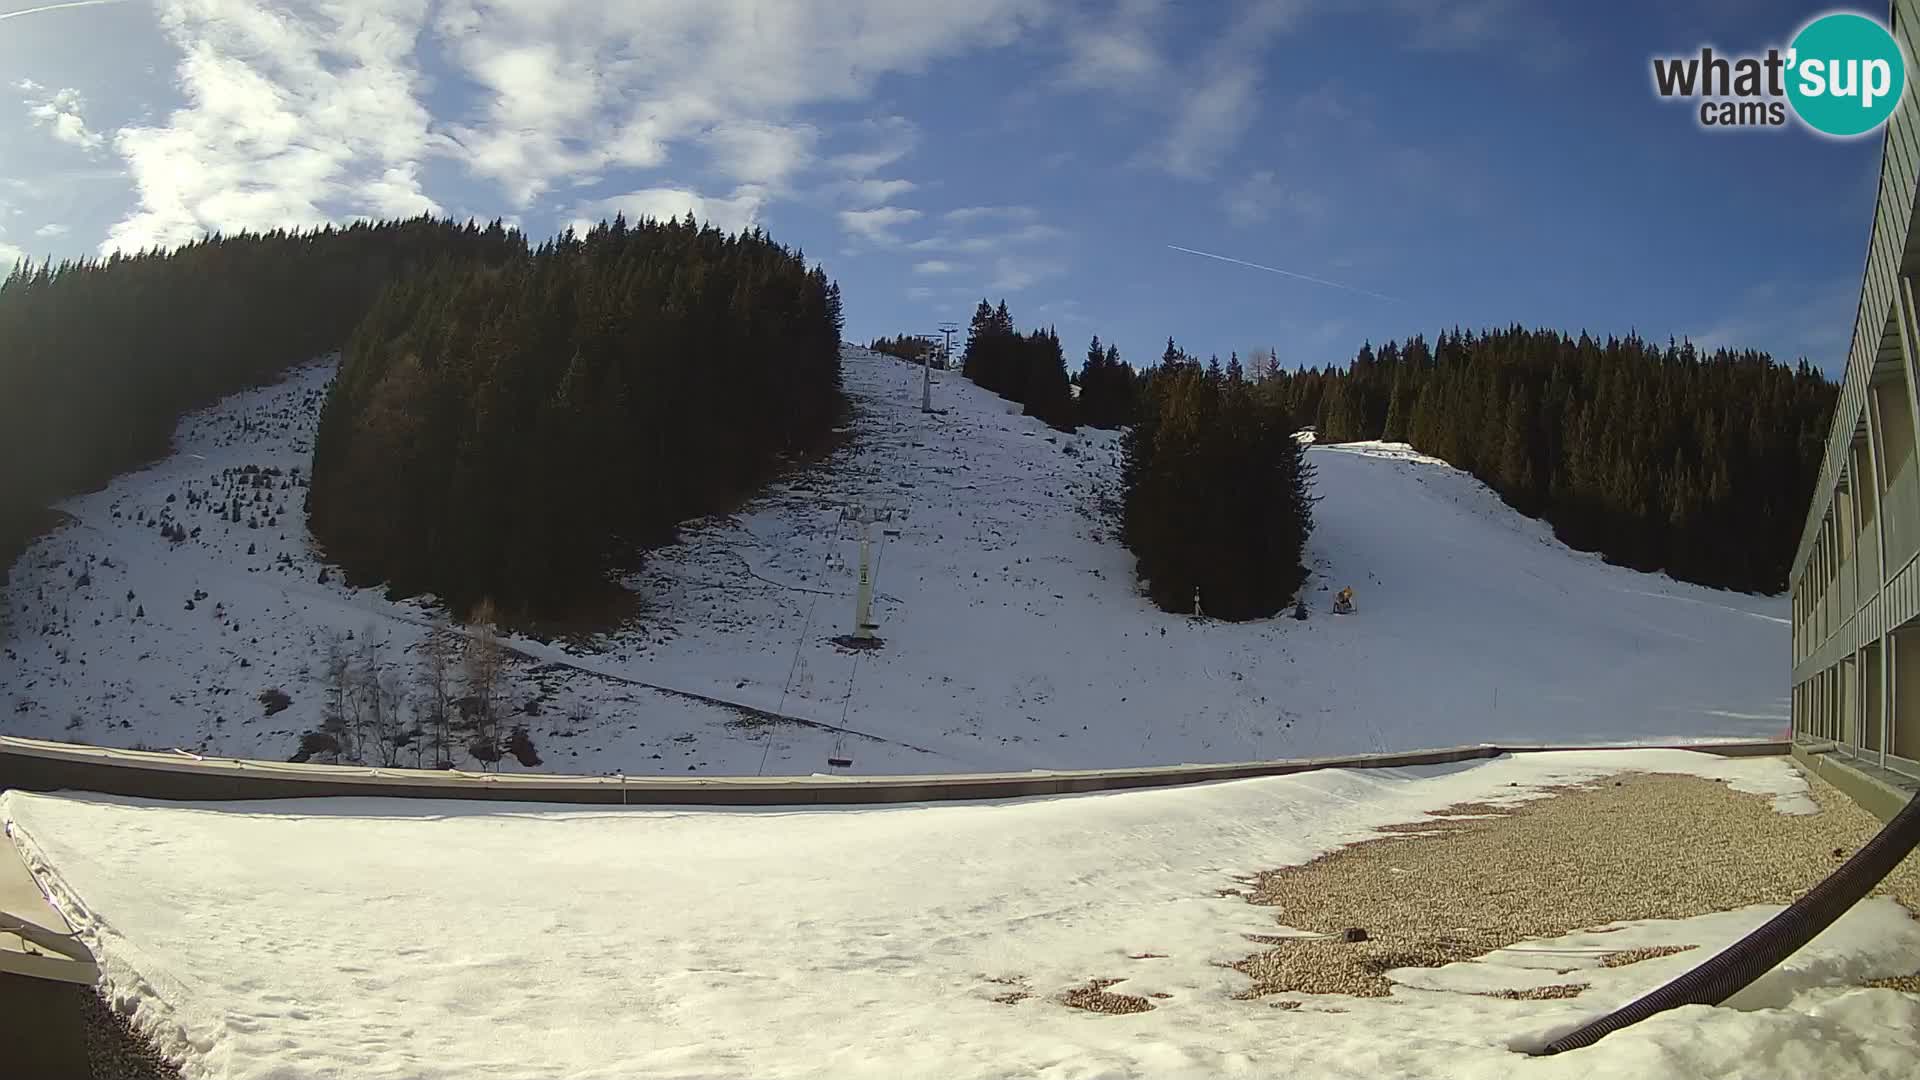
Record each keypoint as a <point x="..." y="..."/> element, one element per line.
<point x="436" y="939"/>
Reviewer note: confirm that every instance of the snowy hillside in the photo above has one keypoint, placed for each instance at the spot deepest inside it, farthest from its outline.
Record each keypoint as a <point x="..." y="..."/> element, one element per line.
<point x="1015" y="635"/>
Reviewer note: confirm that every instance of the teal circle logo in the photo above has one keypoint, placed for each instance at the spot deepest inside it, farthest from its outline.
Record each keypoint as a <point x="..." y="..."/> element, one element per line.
<point x="1845" y="74"/>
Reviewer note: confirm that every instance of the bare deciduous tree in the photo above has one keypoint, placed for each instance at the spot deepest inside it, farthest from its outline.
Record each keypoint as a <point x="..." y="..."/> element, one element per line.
<point x="388" y="689"/>
<point x="438" y="656"/>
<point x="336" y="711"/>
<point x="1262" y="364"/>
<point x="483" y="660"/>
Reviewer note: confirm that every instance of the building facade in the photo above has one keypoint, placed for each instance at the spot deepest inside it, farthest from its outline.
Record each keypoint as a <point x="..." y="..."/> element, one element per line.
<point x="1856" y="579"/>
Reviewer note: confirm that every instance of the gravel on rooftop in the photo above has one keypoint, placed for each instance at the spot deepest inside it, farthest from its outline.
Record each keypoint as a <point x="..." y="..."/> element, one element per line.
<point x="1627" y="847"/>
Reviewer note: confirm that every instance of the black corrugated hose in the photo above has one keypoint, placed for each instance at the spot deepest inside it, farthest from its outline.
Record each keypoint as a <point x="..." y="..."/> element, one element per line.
<point x="1727" y="972"/>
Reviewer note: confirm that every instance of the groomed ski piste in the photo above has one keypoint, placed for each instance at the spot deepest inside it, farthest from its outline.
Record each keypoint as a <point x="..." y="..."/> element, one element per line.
<point x="361" y="938"/>
<point x="1015" y="634"/>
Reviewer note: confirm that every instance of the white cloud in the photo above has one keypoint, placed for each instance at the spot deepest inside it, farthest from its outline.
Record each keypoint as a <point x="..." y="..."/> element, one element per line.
<point x="934" y="266"/>
<point x="1473" y="24"/>
<point x="733" y="213"/>
<point x="968" y="214"/>
<point x="918" y="292"/>
<point x="9" y="253"/>
<point x="299" y="111"/>
<point x="754" y="152"/>
<point x="989" y="242"/>
<point x="874" y="192"/>
<point x="877" y="225"/>
<point x="1012" y="273"/>
<point x="1258" y="197"/>
<point x="1521" y="31"/>
<point x="1210" y="116"/>
<point x="1210" y="119"/>
<point x="884" y="140"/>
<point x="59" y="111"/>
<point x="1114" y="49"/>
<point x="397" y="193"/>
<point x="1790" y="319"/>
<point x="52" y="229"/>
<point x="577" y="85"/>
<point x="1062" y="311"/>
<point x="309" y="111"/>
<point x="293" y="117"/>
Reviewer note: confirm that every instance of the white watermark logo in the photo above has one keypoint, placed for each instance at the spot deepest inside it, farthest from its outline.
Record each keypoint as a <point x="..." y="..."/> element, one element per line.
<point x="1842" y="75"/>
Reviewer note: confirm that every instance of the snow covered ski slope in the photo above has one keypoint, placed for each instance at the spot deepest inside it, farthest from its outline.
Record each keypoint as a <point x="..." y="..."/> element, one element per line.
<point x="1015" y="634"/>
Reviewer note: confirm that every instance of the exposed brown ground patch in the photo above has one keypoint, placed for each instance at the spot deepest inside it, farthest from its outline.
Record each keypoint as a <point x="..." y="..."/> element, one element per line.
<point x="1540" y="993"/>
<point x="1094" y="997"/>
<point x="1634" y="956"/>
<point x="1908" y="983"/>
<point x="1626" y="847"/>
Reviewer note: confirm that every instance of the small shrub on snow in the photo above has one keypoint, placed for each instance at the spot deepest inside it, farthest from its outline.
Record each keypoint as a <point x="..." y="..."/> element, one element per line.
<point x="313" y="743"/>
<point x="486" y="750"/>
<point x="520" y="745"/>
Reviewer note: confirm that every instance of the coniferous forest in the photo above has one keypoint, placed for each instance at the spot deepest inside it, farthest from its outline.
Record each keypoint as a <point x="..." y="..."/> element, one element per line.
<point x="485" y="392"/>
<point x="1698" y="464"/>
<point x="910" y="348"/>
<point x="1214" y="487"/>
<point x="515" y="431"/>
<point x="1028" y="368"/>
<point x="99" y="358"/>
<point x="1216" y="493"/>
<point x="696" y="360"/>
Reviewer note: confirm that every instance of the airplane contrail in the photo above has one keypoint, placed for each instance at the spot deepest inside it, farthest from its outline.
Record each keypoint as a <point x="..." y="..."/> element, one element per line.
<point x="1288" y="273"/>
<point x="4" y="16"/>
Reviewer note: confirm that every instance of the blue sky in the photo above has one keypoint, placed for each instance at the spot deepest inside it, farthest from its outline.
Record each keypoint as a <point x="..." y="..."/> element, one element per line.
<point x="1478" y="163"/>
